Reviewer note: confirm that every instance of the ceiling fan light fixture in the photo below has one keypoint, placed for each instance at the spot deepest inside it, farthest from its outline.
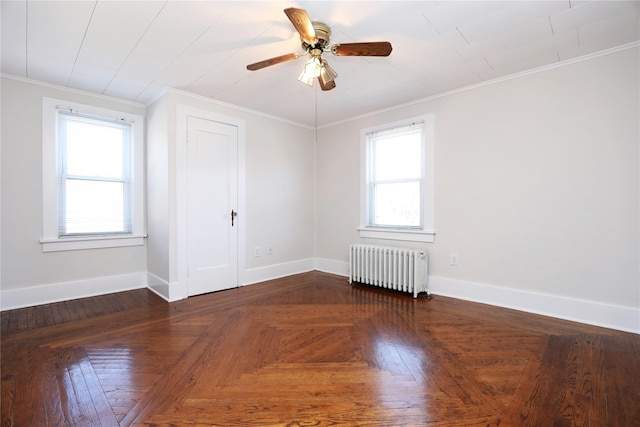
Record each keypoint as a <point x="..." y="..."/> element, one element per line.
<point x="327" y="73"/>
<point x="312" y="69"/>
<point x="315" y="38"/>
<point x="304" y="78"/>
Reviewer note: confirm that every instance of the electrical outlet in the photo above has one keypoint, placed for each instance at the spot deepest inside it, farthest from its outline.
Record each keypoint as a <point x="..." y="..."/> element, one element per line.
<point x="454" y="259"/>
<point x="269" y="250"/>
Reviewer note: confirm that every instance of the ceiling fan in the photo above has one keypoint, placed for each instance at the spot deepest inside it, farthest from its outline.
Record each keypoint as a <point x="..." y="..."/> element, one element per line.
<point x="315" y="38"/>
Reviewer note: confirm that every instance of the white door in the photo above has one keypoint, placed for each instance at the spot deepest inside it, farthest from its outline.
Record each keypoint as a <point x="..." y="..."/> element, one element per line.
<point x="212" y="224"/>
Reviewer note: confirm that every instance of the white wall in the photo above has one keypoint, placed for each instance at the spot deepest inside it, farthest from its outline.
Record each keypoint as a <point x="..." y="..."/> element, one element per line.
<point x="537" y="190"/>
<point x="160" y="204"/>
<point x="277" y="188"/>
<point x="28" y="275"/>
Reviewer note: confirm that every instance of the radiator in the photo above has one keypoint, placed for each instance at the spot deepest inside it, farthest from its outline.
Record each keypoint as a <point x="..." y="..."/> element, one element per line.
<point x="392" y="268"/>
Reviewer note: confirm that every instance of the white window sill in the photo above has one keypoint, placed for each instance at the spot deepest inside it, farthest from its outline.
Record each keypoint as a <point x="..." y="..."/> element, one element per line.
<point x="94" y="242"/>
<point x="397" y="234"/>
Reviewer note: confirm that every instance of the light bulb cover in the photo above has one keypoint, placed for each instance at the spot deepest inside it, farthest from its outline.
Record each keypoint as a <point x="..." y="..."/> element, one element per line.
<point x="304" y="78"/>
<point x="327" y="73"/>
<point x="312" y="69"/>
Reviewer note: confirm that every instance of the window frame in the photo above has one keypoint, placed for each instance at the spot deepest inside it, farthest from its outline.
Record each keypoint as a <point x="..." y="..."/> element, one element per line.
<point x="51" y="240"/>
<point x="424" y="233"/>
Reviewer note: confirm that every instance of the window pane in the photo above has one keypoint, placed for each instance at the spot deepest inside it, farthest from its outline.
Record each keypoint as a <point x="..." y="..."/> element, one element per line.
<point x="94" y="149"/>
<point x="94" y="207"/>
<point x="397" y="204"/>
<point x="398" y="157"/>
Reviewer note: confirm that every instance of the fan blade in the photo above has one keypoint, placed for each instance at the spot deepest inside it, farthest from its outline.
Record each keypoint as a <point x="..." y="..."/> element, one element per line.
<point x="362" y="49"/>
<point x="326" y="86"/>
<point x="300" y="19"/>
<point x="273" y="61"/>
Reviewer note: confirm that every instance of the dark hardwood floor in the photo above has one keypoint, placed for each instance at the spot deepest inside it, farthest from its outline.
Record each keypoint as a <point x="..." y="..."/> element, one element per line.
<point x="310" y="350"/>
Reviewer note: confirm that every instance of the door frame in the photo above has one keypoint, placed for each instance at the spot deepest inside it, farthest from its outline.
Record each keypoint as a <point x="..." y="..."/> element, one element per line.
<point x="180" y="202"/>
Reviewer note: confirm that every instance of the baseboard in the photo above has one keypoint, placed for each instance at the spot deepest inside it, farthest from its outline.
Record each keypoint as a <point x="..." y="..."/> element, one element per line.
<point x="170" y="292"/>
<point x="64" y="291"/>
<point x="583" y="311"/>
<point x="594" y="313"/>
<point x="276" y="271"/>
<point x="173" y="291"/>
<point x="325" y="265"/>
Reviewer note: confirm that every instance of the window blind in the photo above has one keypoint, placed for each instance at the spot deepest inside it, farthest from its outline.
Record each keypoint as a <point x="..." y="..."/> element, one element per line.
<point x="395" y="173"/>
<point x="94" y="175"/>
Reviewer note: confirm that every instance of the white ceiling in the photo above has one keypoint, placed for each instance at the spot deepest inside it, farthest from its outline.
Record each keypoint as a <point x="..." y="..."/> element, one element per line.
<point x="135" y="49"/>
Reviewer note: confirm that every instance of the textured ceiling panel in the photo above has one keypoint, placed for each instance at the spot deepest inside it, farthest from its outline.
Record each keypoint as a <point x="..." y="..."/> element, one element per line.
<point x="135" y="49"/>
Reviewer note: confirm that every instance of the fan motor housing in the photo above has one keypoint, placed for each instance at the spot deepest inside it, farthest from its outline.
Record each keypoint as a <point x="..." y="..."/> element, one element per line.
<point x="323" y="34"/>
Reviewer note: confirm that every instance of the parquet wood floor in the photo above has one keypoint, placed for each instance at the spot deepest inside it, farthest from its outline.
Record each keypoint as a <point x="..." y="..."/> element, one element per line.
<point x="310" y="350"/>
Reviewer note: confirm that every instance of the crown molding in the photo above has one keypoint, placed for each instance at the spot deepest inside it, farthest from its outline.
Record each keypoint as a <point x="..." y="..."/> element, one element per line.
<point x="233" y="106"/>
<point x="203" y="98"/>
<point x="514" y="76"/>
<point x="72" y="90"/>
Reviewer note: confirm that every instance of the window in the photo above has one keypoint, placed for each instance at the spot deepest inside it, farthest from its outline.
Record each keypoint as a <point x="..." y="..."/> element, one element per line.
<point x="92" y="177"/>
<point x="397" y="181"/>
